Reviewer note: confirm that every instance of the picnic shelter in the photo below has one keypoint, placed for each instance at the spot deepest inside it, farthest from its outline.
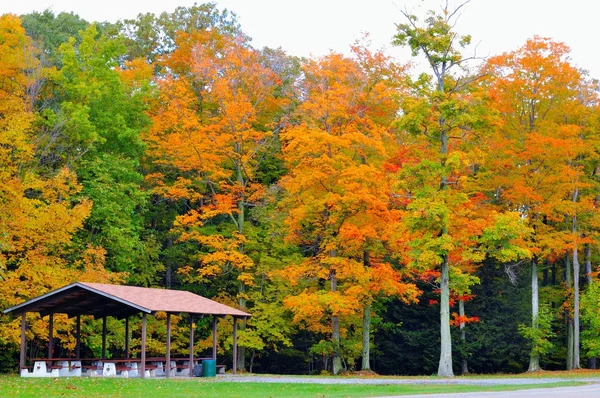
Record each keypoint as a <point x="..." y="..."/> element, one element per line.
<point x="121" y="302"/>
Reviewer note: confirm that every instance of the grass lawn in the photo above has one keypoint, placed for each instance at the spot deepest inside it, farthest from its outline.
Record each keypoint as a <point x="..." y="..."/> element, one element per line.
<point x="541" y="374"/>
<point x="14" y="386"/>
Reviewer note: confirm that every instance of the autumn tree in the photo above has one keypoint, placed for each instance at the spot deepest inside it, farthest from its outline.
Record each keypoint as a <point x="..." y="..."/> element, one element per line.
<point x="151" y="36"/>
<point x="441" y="113"/>
<point x="538" y="153"/>
<point x="39" y="215"/>
<point x="336" y="194"/>
<point x="449" y="226"/>
<point x="90" y="121"/>
<point x="214" y="123"/>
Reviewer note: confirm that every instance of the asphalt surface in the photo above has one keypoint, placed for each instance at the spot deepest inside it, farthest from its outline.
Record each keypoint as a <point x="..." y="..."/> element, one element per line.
<point x="589" y="391"/>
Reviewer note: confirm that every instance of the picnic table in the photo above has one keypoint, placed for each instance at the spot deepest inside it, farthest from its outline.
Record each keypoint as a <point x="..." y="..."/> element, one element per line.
<point x="106" y="367"/>
<point x="180" y="366"/>
<point x="124" y="367"/>
<point x="55" y="367"/>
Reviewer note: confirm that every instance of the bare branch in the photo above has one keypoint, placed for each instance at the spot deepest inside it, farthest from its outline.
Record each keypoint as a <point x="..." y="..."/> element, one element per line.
<point x="457" y="9"/>
<point x="511" y="271"/>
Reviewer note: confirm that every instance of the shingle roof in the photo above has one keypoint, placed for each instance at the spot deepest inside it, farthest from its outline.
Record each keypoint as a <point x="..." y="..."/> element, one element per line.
<point x="100" y="299"/>
<point x="166" y="300"/>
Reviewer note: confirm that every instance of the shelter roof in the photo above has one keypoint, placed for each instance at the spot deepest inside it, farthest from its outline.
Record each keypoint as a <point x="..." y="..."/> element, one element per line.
<point x="98" y="299"/>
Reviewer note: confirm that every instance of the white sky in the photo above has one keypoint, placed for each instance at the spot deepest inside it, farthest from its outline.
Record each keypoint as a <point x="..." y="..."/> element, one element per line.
<point x="305" y="27"/>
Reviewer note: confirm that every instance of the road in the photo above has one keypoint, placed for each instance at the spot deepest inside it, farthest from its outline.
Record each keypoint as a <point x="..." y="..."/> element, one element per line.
<point x="589" y="391"/>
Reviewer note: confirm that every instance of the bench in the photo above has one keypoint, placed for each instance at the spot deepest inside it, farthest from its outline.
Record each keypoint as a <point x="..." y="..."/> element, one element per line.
<point x="150" y="370"/>
<point x="91" y="370"/>
<point x="40" y="369"/>
<point x="111" y="369"/>
<point x="25" y="371"/>
<point x="124" y="369"/>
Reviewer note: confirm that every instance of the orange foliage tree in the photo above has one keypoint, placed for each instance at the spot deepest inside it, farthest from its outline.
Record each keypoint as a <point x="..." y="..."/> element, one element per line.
<point x="537" y="167"/>
<point x="337" y="192"/>
<point x="212" y="129"/>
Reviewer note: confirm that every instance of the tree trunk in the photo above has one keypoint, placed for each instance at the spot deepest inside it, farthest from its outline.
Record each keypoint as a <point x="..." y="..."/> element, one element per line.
<point x="366" y="331"/>
<point x="570" y="343"/>
<point x="588" y="264"/>
<point x="335" y="329"/>
<point x="576" y="331"/>
<point x="592" y="362"/>
<point x="252" y="354"/>
<point x="241" y="351"/>
<point x="534" y="359"/>
<point x="463" y="337"/>
<point x="168" y="277"/>
<point x="169" y="274"/>
<point x="445" y="365"/>
<point x="366" y="337"/>
<point x="569" y="316"/>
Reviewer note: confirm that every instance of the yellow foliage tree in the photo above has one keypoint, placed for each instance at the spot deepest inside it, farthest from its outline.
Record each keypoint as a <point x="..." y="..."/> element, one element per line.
<point x="38" y="216"/>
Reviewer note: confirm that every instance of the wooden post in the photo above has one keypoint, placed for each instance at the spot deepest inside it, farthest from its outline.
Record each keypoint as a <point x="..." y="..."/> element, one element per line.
<point x="191" y="364"/>
<point x="50" y="336"/>
<point x="23" y="343"/>
<point x="214" y="353"/>
<point x="127" y="337"/>
<point x="78" y="341"/>
<point x="234" y="345"/>
<point x="143" y="364"/>
<point x="104" y="338"/>
<point x="168" y="364"/>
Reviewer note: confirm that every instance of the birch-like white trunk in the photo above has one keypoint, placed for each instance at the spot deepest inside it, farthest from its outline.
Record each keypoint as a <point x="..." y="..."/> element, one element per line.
<point x="445" y="365"/>
<point x="576" y="268"/>
<point x="534" y="359"/>
<point x="366" y="337"/>
<point x="576" y="327"/>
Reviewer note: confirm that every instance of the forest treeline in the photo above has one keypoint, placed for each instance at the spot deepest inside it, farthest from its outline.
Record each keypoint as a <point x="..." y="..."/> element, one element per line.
<point x="367" y="218"/>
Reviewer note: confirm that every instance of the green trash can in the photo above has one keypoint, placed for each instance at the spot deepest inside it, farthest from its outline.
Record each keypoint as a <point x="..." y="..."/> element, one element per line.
<point x="209" y="368"/>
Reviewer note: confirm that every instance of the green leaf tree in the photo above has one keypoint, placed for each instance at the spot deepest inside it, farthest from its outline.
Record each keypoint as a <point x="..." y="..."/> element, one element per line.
<point x="441" y="111"/>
